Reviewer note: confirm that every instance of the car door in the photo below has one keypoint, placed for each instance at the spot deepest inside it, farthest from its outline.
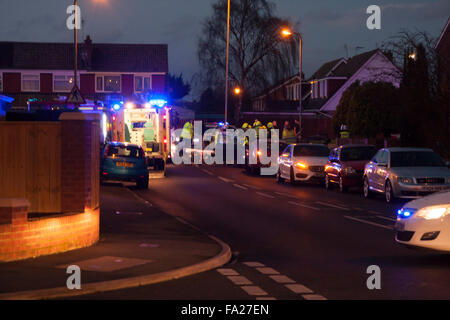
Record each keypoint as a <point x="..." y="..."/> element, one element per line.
<point x="332" y="166"/>
<point x="382" y="169"/>
<point x="371" y="169"/>
<point x="285" y="159"/>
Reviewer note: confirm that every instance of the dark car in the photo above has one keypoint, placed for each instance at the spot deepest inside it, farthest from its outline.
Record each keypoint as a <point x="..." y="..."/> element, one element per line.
<point x="124" y="162"/>
<point x="346" y="164"/>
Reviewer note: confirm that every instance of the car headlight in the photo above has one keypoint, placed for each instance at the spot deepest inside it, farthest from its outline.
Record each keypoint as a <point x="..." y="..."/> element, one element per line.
<point x="349" y="170"/>
<point x="301" y="165"/>
<point x="434" y="212"/>
<point x="406" y="180"/>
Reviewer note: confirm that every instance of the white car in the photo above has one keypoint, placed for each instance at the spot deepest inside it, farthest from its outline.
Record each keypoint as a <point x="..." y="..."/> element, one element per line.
<point x="425" y="222"/>
<point x="303" y="162"/>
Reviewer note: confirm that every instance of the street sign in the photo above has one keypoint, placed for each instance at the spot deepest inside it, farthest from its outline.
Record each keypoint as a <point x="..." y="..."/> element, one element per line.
<point x="75" y="96"/>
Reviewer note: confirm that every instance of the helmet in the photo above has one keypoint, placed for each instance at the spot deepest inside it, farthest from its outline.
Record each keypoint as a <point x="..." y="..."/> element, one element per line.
<point x="270" y="125"/>
<point x="245" y="126"/>
<point x="257" y="124"/>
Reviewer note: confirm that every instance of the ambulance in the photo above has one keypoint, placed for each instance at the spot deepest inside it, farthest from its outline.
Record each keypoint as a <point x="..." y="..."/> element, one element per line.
<point x="146" y="125"/>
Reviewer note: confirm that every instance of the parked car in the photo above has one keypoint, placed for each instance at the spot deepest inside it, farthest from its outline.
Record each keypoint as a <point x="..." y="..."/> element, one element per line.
<point x="256" y="168"/>
<point x="405" y="173"/>
<point x="303" y="162"/>
<point x="124" y="162"/>
<point x="425" y="222"/>
<point x="346" y="164"/>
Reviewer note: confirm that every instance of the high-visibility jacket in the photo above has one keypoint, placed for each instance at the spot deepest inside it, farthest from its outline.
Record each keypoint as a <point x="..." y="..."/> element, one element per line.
<point x="289" y="135"/>
<point x="187" y="131"/>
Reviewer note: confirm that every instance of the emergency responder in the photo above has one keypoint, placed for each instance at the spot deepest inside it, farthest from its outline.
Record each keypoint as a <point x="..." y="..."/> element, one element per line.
<point x="269" y="129"/>
<point x="288" y="133"/>
<point x="188" y="131"/>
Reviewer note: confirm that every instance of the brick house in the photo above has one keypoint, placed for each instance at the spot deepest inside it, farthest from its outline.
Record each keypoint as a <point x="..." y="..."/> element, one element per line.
<point x="443" y="49"/>
<point x="328" y="83"/>
<point x="44" y="71"/>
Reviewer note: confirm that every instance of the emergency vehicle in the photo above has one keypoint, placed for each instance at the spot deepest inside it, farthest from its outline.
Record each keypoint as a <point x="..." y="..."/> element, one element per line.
<point x="146" y="125"/>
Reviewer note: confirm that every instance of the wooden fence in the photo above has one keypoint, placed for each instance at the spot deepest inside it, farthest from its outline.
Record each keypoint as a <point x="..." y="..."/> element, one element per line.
<point x="30" y="163"/>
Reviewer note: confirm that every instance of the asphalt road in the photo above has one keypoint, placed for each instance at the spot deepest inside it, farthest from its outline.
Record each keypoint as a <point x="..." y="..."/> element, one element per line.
<point x="314" y="243"/>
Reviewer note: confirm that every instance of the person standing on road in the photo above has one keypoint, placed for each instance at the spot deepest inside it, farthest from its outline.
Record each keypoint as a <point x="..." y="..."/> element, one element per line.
<point x="288" y="133"/>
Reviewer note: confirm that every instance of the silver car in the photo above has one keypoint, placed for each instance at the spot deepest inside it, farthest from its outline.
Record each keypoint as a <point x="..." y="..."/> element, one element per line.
<point x="405" y="173"/>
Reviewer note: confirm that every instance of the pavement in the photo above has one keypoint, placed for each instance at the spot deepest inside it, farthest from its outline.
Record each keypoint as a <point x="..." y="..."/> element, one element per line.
<point x="139" y="245"/>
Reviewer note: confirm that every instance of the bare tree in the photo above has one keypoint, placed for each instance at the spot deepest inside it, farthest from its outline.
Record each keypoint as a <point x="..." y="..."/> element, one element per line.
<point x="259" y="57"/>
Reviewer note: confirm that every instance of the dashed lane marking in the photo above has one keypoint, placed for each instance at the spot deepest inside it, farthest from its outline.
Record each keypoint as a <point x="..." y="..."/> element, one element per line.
<point x="225" y="179"/>
<point x="332" y="205"/>
<point x="298" y="288"/>
<point x="303" y="205"/>
<point x="265" y="195"/>
<point x="239" y="280"/>
<point x="387" y="218"/>
<point x="369" y="222"/>
<point x="267" y="271"/>
<point x="283" y="194"/>
<point x="228" y="272"/>
<point x="252" y="187"/>
<point x="254" y="264"/>
<point x="208" y="172"/>
<point x="254" y="291"/>
<point x="266" y="298"/>
<point x="375" y="212"/>
<point x="240" y="187"/>
<point x="313" y="297"/>
<point x="282" y="279"/>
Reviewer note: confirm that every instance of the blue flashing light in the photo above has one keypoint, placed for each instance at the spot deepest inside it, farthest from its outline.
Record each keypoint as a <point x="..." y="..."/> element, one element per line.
<point x="404" y="213"/>
<point x="116" y="107"/>
<point x="158" y="102"/>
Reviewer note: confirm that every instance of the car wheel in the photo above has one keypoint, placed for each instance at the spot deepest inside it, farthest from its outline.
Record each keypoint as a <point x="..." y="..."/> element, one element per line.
<point x="291" y="177"/>
<point x="328" y="184"/>
<point x="366" y="188"/>
<point x="342" y="188"/>
<point x="142" y="184"/>
<point x="389" y="193"/>
<point x="279" y="178"/>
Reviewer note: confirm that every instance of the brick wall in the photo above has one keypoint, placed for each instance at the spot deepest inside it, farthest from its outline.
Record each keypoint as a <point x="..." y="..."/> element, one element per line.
<point x="21" y="238"/>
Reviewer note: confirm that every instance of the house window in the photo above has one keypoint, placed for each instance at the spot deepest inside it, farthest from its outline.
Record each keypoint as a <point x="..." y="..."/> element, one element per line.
<point x="62" y="83"/>
<point x="138" y="84"/>
<point x="147" y="84"/>
<point x="112" y="83"/>
<point x="30" y="83"/>
<point x="99" y="83"/>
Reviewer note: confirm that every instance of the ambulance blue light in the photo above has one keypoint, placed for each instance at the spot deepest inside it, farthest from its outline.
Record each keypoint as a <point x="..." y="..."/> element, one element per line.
<point x="116" y="107"/>
<point x="158" y="102"/>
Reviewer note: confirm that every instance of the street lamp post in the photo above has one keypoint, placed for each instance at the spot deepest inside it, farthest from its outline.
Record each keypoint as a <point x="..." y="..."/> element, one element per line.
<point x="287" y="33"/>
<point x="75" y="43"/>
<point x="227" y="62"/>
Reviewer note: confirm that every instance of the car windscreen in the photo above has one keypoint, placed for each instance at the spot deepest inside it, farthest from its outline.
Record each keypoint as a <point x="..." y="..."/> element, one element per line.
<point x="125" y="152"/>
<point x="416" y="159"/>
<point x="357" y="153"/>
<point x="311" y="151"/>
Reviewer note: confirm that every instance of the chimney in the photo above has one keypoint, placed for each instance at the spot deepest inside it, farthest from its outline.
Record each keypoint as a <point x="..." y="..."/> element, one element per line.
<point x="87" y="53"/>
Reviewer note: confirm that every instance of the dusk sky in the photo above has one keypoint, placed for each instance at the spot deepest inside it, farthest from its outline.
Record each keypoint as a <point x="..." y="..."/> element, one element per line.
<point x="327" y="25"/>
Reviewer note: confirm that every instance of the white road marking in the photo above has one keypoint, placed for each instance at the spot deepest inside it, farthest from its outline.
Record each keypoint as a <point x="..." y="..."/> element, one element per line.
<point x="368" y="222"/>
<point x="254" y="291"/>
<point x="387" y="218"/>
<point x="208" y="172"/>
<point x="298" y="288"/>
<point x="266" y="298"/>
<point x="240" y="187"/>
<point x="228" y="272"/>
<point x="254" y="264"/>
<point x="266" y="270"/>
<point x="375" y="212"/>
<point x="286" y="195"/>
<point x="332" y="205"/>
<point x="303" y="205"/>
<point x="252" y="187"/>
<point x="239" y="280"/>
<point x="225" y="179"/>
<point x="265" y="195"/>
<point x="282" y="279"/>
<point x="313" y="297"/>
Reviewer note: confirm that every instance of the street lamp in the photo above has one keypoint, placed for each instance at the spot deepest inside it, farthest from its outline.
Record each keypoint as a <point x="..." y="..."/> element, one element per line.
<point x="237" y="91"/>
<point x="286" y="32"/>
<point x="227" y="62"/>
